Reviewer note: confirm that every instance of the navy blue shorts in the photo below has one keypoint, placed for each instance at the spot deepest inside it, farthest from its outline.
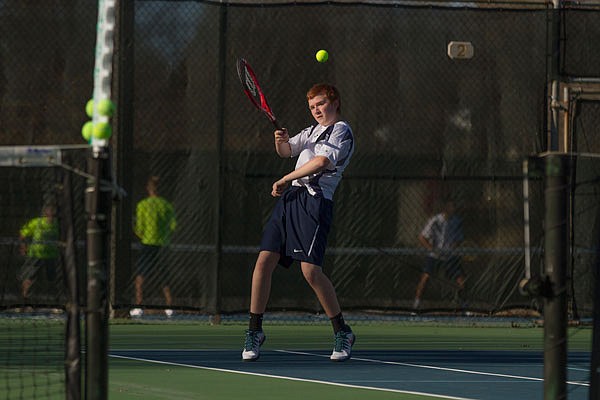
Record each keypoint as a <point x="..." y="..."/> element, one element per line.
<point x="151" y="263"/>
<point x="32" y="266"/>
<point x="298" y="227"/>
<point x="451" y="266"/>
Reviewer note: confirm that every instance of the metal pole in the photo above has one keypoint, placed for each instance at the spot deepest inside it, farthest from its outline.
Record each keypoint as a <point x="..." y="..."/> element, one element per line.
<point x="121" y="270"/>
<point x="526" y="228"/>
<point x="98" y="205"/>
<point x="553" y="73"/>
<point x="216" y="309"/>
<point x="594" y="393"/>
<point x="73" y="341"/>
<point x="555" y="264"/>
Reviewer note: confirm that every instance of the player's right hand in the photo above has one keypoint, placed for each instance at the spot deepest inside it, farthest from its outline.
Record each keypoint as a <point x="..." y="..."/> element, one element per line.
<point x="281" y="136"/>
<point x="279" y="187"/>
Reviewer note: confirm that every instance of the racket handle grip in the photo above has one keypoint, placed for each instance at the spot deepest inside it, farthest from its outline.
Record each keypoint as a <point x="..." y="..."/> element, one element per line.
<point x="276" y="124"/>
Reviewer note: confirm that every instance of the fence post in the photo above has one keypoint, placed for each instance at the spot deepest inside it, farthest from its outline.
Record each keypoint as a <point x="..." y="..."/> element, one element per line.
<point x="215" y="309"/>
<point x="595" y="363"/>
<point x="555" y="274"/>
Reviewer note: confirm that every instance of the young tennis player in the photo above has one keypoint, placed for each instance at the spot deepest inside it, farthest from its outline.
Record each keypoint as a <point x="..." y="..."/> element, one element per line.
<point x="300" y="222"/>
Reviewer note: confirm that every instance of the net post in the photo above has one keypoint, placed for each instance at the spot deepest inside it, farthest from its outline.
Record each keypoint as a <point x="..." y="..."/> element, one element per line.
<point x="98" y="199"/>
<point x="555" y="271"/>
<point x="98" y="206"/>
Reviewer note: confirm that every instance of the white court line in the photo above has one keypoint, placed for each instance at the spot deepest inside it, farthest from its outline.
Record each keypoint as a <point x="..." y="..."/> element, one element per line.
<point x="289" y="378"/>
<point x="463" y="371"/>
<point x="578" y="369"/>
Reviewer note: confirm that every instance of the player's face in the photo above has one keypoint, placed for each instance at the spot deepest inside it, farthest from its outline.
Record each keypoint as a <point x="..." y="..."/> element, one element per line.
<point x="323" y="110"/>
<point x="49" y="212"/>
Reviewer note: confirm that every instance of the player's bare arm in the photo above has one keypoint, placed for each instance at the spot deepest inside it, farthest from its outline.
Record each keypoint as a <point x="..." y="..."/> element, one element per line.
<point x="425" y="243"/>
<point x="315" y="165"/>
<point x="282" y="145"/>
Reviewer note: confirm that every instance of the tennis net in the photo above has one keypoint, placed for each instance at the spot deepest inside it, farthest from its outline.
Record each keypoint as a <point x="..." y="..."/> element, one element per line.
<point x="41" y="245"/>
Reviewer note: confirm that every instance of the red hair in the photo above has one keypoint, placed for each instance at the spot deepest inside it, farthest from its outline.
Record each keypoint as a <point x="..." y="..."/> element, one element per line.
<point x="328" y="90"/>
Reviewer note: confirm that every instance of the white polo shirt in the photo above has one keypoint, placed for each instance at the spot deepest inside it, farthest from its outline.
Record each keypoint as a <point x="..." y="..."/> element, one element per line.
<point x="443" y="234"/>
<point x="336" y="142"/>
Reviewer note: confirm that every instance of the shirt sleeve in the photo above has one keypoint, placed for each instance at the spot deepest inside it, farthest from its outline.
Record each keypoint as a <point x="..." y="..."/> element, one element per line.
<point x="26" y="230"/>
<point x="428" y="229"/>
<point x="298" y="141"/>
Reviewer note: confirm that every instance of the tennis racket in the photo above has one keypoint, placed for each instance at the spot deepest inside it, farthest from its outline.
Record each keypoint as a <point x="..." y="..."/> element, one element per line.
<point x="253" y="90"/>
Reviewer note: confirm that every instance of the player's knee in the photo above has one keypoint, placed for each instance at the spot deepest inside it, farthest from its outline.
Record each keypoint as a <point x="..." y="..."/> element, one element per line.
<point x="313" y="275"/>
<point x="309" y="276"/>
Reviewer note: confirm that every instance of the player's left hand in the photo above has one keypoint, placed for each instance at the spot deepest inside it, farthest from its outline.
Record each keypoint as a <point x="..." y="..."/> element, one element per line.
<point x="279" y="187"/>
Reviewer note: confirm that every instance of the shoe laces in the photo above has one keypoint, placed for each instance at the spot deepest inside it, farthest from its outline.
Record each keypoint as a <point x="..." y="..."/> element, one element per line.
<point x="251" y="340"/>
<point x="341" y="341"/>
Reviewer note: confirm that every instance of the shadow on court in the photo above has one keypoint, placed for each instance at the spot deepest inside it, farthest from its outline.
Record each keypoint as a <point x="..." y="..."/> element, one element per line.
<point x="489" y="375"/>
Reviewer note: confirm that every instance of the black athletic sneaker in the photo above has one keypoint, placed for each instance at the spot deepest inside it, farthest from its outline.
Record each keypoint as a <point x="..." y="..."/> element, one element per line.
<point x="342" y="349"/>
<point x="254" y="339"/>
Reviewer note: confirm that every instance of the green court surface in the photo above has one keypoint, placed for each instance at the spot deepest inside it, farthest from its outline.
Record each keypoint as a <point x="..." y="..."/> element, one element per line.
<point x="202" y="361"/>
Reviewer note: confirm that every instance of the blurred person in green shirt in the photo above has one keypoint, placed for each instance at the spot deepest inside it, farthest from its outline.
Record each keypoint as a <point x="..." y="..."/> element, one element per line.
<point x="39" y="243"/>
<point x="154" y="224"/>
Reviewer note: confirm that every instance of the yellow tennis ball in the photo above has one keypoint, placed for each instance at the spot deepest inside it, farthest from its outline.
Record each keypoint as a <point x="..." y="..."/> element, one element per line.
<point x="86" y="131"/>
<point x="106" y="107"/>
<point x="322" y="56"/>
<point x="102" y="130"/>
<point x="89" y="108"/>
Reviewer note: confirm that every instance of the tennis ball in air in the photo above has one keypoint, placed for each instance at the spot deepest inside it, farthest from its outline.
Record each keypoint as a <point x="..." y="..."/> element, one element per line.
<point x="102" y="130"/>
<point x="86" y="131"/>
<point x="322" y="56"/>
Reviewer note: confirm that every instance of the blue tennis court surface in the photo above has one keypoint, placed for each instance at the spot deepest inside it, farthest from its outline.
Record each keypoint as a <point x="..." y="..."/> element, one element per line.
<point x="489" y="375"/>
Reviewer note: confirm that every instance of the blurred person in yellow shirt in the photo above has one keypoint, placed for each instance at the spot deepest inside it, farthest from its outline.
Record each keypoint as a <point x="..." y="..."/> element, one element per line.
<point x="39" y="243"/>
<point x="154" y="225"/>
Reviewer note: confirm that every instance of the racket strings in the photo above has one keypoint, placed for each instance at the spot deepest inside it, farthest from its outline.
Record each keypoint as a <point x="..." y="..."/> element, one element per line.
<point x="253" y="90"/>
<point x="250" y="83"/>
<point x="247" y="78"/>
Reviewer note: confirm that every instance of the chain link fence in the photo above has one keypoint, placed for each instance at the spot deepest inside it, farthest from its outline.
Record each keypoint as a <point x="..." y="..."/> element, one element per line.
<point x="427" y="127"/>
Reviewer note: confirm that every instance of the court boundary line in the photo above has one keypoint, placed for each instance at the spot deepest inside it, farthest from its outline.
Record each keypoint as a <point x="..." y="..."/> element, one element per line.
<point x="289" y="378"/>
<point x="464" y="371"/>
